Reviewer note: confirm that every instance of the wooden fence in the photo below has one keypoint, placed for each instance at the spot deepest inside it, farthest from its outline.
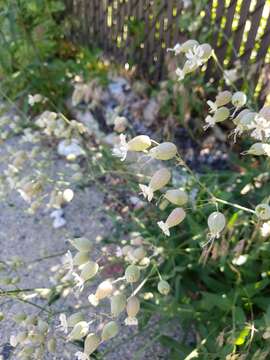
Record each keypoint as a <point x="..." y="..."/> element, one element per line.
<point x="139" y="32"/>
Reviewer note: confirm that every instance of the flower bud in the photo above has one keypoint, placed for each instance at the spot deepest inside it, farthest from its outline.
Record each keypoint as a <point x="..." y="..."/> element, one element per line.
<point x="74" y="319"/>
<point x="216" y="223"/>
<point x="157" y="182"/>
<point x="120" y="124"/>
<point x="118" y="304"/>
<point x="223" y="98"/>
<point x="175" y="218"/>
<point x="51" y="345"/>
<point x="221" y="114"/>
<point x="81" y="258"/>
<point x="239" y="99"/>
<point x="176" y="196"/>
<point x="132" y="274"/>
<point x="139" y="143"/>
<point x="164" y="287"/>
<point x="91" y="343"/>
<point x="79" y="331"/>
<point x="164" y="151"/>
<point x="139" y="253"/>
<point x="68" y="195"/>
<point x="89" y="270"/>
<point x="109" y="331"/>
<point x="263" y="211"/>
<point x="259" y="149"/>
<point x="81" y="244"/>
<point x="133" y="306"/>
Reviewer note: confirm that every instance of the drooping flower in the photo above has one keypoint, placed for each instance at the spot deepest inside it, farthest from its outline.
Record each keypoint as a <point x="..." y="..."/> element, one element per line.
<point x="164" y="151"/>
<point x="216" y="223"/>
<point x="79" y="331"/>
<point x="118" y="304"/>
<point x="261" y="128"/>
<point x="132" y="273"/>
<point x="176" y="196"/>
<point x="239" y="99"/>
<point x="157" y="182"/>
<point x="132" y="308"/>
<point x="109" y="331"/>
<point x="259" y="149"/>
<point x="164" y="287"/>
<point x="139" y="143"/>
<point x="263" y="211"/>
<point x="175" y="218"/>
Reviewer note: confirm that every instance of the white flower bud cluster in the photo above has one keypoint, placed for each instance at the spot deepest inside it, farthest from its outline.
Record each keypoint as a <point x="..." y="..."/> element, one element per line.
<point x="195" y="54"/>
<point x="257" y="124"/>
<point x="33" y="339"/>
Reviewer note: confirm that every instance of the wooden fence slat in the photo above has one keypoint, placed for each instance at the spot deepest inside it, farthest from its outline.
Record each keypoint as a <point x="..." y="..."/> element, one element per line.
<point x="255" y="22"/>
<point x="221" y="51"/>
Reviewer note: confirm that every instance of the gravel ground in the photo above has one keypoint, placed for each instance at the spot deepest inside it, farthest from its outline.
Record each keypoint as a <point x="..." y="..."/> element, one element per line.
<point x="32" y="236"/>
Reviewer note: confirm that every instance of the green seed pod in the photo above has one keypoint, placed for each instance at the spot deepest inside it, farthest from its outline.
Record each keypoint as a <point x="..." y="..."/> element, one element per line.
<point x="221" y="114"/>
<point x="139" y="143"/>
<point x="239" y="99"/>
<point x="89" y="270"/>
<point x="74" y="319"/>
<point x="91" y="343"/>
<point x="132" y="274"/>
<point x="133" y="306"/>
<point x="51" y="345"/>
<point x="164" y="287"/>
<point x="176" y="197"/>
<point x="109" y="331"/>
<point x="79" y="331"/>
<point x="139" y="253"/>
<point x="81" y="258"/>
<point x="82" y="244"/>
<point x="263" y="211"/>
<point x="223" y="98"/>
<point x="164" y="151"/>
<point x="216" y="223"/>
<point x="118" y="304"/>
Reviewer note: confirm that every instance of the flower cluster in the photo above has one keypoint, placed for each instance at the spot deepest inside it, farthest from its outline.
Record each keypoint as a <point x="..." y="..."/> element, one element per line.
<point x="196" y="55"/>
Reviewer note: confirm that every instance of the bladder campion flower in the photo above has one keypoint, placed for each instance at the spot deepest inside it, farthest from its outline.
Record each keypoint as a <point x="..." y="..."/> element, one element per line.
<point x="157" y="182"/>
<point x="175" y="218"/>
<point x="176" y="196"/>
<point x="104" y="290"/>
<point x="82" y="244"/>
<point x="263" y="211"/>
<point x="259" y="149"/>
<point x="239" y="99"/>
<point x="109" y="331"/>
<point x="79" y="331"/>
<point x="118" y="304"/>
<point x="89" y="270"/>
<point x="132" y="308"/>
<point x="132" y="273"/>
<point x="216" y="223"/>
<point x="164" y="287"/>
<point x="164" y="151"/>
<point x="138" y="143"/>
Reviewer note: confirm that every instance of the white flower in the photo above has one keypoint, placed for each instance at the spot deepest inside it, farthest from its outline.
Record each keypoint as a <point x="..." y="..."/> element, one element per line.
<point x="210" y="122"/>
<point x="63" y="323"/>
<point x="180" y="73"/>
<point x="212" y="105"/>
<point x="121" y="149"/>
<point x="81" y="356"/>
<point x="33" y="99"/>
<point x="177" y="49"/>
<point x="195" y="56"/>
<point x="164" y="227"/>
<point x="68" y="263"/>
<point x="79" y="283"/>
<point x="265" y="229"/>
<point x="261" y="128"/>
